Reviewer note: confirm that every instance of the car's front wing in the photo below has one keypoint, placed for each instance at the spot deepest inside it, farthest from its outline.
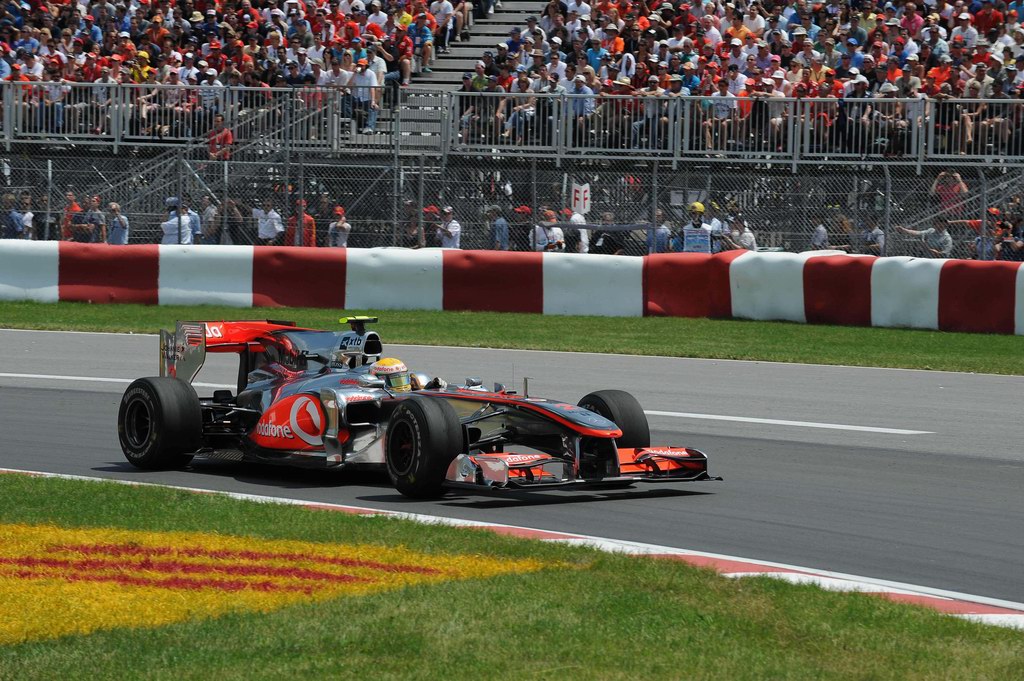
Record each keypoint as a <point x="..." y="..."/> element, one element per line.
<point x="539" y="471"/>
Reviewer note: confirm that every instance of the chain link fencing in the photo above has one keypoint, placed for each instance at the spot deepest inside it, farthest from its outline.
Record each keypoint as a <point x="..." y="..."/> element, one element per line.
<point x="397" y="201"/>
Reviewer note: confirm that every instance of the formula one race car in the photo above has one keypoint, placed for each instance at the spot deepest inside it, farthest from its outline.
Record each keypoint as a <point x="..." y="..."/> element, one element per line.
<point x="327" y="399"/>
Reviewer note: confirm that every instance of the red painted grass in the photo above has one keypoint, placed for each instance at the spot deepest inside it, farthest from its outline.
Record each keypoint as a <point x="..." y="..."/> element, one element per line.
<point x="181" y="583"/>
<point x="176" y="566"/>
<point x="230" y="554"/>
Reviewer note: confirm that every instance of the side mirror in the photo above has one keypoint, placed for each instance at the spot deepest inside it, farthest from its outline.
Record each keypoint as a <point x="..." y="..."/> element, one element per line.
<point x="499" y="387"/>
<point x="474" y="382"/>
<point x="371" y="381"/>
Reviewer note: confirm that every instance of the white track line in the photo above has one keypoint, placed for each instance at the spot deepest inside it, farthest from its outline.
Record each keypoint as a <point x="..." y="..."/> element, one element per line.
<point x="682" y="415"/>
<point x="825" y="579"/>
<point x="98" y="379"/>
<point x="781" y="422"/>
<point x="463" y="348"/>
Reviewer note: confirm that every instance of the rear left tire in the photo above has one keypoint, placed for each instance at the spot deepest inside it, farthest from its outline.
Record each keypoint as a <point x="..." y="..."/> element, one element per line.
<point x="159" y="423"/>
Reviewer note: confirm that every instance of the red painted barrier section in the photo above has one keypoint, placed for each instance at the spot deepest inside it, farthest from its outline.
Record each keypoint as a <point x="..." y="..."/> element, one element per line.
<point x="977" y="296"/>
<point x="837" y="290"/>
<point x="287" y="276"/>
<point x="99" y="273"/>
<point x="493" y="281"/>
<point x="688" y="284"/>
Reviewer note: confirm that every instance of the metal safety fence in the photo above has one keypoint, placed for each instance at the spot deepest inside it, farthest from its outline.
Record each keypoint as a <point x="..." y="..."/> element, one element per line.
<point x="759" y="128"/>
<point x="275" y="194"/>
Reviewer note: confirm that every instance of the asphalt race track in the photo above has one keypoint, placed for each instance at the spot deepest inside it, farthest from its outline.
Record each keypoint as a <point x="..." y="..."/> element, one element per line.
<point x="909" y="476"/>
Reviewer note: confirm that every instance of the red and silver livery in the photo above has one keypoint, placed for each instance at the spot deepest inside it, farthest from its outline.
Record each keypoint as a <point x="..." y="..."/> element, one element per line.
<point x="308" y="397"/>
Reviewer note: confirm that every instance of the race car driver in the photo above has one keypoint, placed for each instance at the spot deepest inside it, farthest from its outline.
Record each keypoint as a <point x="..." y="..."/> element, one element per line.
<point x="394" y="373"/>
<point x="399" y="379"/>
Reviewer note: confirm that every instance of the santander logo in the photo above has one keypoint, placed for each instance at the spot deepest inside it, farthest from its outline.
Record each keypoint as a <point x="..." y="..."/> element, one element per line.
<point x="294" y="418"/>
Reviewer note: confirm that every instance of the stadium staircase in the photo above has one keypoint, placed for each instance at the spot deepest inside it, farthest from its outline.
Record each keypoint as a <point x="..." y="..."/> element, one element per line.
<point x="484" y="35"/>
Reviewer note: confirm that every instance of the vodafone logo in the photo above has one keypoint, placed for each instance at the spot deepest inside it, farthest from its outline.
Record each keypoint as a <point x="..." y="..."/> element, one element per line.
<point x="304" y="420"/>
<point x="273" y="430"/>
<point x="667" y="451"/>
<point x="523" y="458"/>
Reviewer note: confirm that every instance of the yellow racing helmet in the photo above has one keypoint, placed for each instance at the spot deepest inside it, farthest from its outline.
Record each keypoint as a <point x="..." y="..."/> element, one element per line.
<point x="394" y="372"/>
<point x="696" y="207"/>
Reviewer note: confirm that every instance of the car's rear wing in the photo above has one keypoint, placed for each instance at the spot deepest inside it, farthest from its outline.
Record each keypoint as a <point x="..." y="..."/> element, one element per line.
<point x="183" y="352"/>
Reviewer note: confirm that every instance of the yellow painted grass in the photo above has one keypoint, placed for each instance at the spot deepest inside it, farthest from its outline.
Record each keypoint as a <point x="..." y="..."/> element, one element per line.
<point x="56" y="581"/>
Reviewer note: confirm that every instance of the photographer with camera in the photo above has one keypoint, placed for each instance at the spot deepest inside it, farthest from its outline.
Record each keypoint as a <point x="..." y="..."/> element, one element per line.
<point x="948" y="187"/>
<point x="546" y="236"/>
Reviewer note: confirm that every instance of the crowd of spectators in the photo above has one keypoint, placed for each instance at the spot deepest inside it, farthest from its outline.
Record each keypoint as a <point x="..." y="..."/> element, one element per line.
<point x="874" y="71"/>
<point x="698" y="227"/>
<point x="870" y="72"/>
<point x="191" y="61"/>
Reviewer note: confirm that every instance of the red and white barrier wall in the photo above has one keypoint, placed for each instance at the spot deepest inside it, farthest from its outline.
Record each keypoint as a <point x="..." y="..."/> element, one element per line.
<point x="818" y="287"/>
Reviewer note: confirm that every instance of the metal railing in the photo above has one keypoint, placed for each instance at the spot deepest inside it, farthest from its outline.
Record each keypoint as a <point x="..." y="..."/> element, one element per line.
<point x="309" y="118"/>
<point x="410" y="121"/>
<point x="760" y="129"/>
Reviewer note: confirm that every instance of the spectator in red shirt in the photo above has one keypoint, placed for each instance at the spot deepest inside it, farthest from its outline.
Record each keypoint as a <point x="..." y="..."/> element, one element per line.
<point x="308" y="228"/>
<point x="988" y="18"/>
<point x="69" y="230"/>
<point x="220" y="140"/>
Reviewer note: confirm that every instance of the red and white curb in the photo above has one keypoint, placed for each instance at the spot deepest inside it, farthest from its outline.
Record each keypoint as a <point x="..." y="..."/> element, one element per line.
<point x="982" y="609"/>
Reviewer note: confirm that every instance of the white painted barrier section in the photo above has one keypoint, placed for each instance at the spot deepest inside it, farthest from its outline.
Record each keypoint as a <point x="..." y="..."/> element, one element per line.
<point x="600" y="285"/>
<point x="770" y="285"/>
<point x="206" y="275"/>
<point x="394" y="279"/>
<point x="905" y="292"/>
<point x="1018" y="307"/>
<point x="29" y="270"/>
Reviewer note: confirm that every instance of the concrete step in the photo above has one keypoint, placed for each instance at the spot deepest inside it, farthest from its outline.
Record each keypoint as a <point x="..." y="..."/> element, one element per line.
<point x="484" y="35"/>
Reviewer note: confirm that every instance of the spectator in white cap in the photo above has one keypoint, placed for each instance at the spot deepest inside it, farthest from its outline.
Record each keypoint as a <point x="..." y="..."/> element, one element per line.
<point x="964" y="30"/>
<point x="449" y="231"/>
<point x="211" y="93"/>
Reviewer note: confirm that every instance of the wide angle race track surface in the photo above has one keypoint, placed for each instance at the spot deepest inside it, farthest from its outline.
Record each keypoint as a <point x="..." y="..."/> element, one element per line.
<point x="895" y="475"/>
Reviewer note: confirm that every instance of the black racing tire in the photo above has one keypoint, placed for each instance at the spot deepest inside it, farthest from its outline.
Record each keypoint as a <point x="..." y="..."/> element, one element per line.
<point x="424" y="435"/>
<point x="624" y="411"/>
<point x="159" y="423"/>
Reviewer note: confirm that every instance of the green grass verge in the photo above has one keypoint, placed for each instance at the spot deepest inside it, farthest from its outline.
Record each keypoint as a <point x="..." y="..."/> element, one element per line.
<point x="597" y="616"/>
<point x="669" y="336"/>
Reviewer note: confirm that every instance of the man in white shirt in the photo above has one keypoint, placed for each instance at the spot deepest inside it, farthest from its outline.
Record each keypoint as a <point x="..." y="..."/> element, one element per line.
<point x="449" y="232"/>
<point x="269" y="226"/>
<point x="546" y="236"/>
<point x="377" y="65"/>
<point x="338" y="231"/>
<point x="188" y="69"/>
<point x="176" y="229"/>
<point x="32" y="67"/>
<point x="443" y="12"/>
<point x="583" y="245"/>
<point x="964" y="30"/>
<point x="741" y="234"/>
<point x="365" y="95"/>
<point x="376" y="15"/>
<point x="211" y="92"/>
<point x="723" y="114"/>
<point x="579" y="6"/>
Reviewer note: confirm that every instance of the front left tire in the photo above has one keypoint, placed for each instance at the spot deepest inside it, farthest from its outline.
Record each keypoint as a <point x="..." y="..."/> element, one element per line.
<point x="623" y="410"/>
<point x="159" y="423"/>
<point x="424" y="435"/>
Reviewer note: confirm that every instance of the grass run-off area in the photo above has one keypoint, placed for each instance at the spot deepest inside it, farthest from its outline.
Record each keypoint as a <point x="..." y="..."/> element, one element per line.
<point x="668" y="336"/>
<point x="582" y="615"/>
